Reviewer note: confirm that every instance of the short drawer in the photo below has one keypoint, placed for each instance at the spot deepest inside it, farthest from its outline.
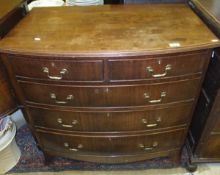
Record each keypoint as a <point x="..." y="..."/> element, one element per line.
<point x="57" y="69"/>
<point x="110" y="96"/>
<point x="117" y="144"/>
<point x="112" y="121"/>
<point x="153" y="68"/>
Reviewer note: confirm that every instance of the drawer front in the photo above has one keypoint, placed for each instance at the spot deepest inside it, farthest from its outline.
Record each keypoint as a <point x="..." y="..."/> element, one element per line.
<point x="112" y="121"/>
<point x="111" y="144"/>
<point x="110" y="96"/>
<point x="58" y="70"/>
<point x="161" y="67"/>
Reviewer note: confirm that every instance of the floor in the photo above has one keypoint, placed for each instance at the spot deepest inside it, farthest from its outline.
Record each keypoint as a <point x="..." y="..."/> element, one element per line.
<point x="204" y="169"/>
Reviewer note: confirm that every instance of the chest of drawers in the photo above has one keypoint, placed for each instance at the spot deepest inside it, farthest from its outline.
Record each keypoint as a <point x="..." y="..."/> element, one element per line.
<point x="112" y="89"/>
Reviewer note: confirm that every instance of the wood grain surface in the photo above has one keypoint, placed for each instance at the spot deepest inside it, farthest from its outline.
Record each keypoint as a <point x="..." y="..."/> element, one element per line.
<point x="148" y="29"/>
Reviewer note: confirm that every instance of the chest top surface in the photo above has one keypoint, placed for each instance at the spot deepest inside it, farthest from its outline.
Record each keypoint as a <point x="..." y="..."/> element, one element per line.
<point x="109" y="30"/>
<point x="7" y="6"/>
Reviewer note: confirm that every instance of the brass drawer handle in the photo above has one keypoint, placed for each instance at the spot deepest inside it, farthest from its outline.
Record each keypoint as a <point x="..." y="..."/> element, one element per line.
<point x="60" y="121"/>
<point x="79" y="146"/>
<point x="162" y="95"/>
<point x="68" y="98"/>
<point x="62" y="72"/>
<point x="151" y="71"/>
<point x="144" y="121"/>
<point x="148" y="148"/>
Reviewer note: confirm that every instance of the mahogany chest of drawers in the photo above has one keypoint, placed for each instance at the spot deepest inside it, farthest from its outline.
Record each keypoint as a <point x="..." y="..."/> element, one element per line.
<point x="204" y="134"/>
<point x="109" y="84"/>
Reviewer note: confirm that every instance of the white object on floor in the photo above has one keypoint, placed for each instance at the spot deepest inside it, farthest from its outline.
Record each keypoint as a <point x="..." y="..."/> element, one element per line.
<point x="45" y="3"/>
<point x="18" y="118"/>
<point x="84" y="2"/>
<point x="9" y="151"/>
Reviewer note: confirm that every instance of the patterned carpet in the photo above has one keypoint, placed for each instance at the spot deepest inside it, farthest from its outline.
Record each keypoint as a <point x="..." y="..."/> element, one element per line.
<point x="32" y="160"/>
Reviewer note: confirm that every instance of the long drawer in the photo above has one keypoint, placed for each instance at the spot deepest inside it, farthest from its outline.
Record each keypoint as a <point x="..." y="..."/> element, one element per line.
<point x="158" y="67"/>
<point x="85" y="70"/>
<point x="112" y="121"/>
<point x="110" y="96"/>
<point x="117" y="144"/>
